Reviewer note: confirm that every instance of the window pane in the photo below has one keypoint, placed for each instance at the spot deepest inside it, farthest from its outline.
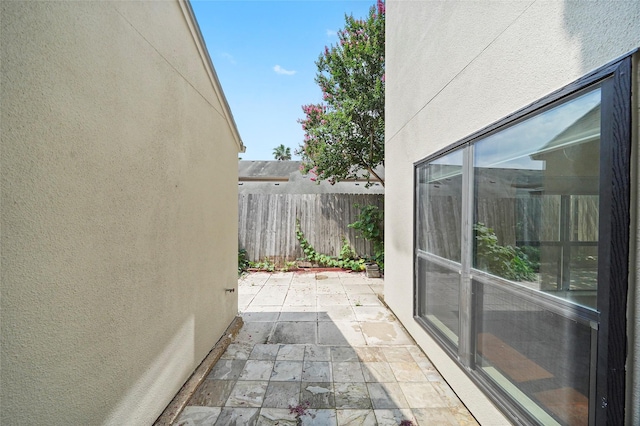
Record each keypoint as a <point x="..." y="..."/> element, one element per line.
<point x="538" y="358"/>
<point x="438" y="295"/>
<point x="536" y="200"/>
<point x="440" y="206"/>
<point x="438" y="222"/>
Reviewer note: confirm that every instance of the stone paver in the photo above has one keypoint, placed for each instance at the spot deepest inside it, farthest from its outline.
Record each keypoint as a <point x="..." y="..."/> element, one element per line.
<point x="323" y="342"/>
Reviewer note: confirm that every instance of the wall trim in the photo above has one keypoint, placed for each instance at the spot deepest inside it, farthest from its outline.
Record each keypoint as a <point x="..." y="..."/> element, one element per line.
<point x="192" y="23"/>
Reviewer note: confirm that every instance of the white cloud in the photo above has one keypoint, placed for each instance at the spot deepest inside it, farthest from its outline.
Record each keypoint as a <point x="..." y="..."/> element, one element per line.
<point x="331" y="33"/>
<point x="228" y="57"/>
<point x="279" y="70"/>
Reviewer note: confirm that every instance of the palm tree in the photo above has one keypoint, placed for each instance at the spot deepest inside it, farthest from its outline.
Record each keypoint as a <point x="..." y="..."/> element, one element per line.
<point x="282" y="153"/>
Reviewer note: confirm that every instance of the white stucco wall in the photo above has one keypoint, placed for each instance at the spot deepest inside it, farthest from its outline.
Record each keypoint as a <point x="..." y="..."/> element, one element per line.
<point x="454" y="67"/>
<point x="119" y="210"/>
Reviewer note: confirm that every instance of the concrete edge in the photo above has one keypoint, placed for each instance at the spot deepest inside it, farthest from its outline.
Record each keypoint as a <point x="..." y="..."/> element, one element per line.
<point x="175" y="407"/>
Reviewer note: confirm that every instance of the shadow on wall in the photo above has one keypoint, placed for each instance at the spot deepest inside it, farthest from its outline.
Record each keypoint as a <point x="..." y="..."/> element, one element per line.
<point x="167" y="369"/>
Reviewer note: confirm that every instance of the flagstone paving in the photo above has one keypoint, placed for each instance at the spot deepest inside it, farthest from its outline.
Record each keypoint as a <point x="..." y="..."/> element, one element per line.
<point x="322" y="342"/>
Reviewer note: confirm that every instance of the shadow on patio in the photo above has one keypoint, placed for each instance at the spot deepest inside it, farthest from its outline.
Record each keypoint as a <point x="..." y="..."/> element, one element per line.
<point x="322" y="342"/>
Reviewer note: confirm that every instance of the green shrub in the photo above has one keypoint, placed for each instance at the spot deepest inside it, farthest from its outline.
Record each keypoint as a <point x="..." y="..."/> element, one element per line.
<point x="347" y="252"/>
<point x="370" y="224"/>
<point x="243" y="262"/>
<point x="265" y="265"/>
<point x="288" y="266"/>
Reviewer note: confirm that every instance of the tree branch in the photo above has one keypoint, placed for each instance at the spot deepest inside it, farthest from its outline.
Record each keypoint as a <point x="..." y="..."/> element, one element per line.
<point x="370" y="169"/>
<point x="376" y="176"/>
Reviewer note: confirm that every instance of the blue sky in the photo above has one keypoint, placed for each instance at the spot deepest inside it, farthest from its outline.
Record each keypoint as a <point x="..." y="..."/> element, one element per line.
<point x="264" y="53"/>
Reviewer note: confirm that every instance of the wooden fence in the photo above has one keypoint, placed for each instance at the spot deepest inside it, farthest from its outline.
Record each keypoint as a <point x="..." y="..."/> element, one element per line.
<point x="267" y="223"/>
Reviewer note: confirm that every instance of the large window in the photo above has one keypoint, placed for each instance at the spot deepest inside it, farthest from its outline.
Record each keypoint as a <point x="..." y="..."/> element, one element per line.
<point x="517" y="229"/>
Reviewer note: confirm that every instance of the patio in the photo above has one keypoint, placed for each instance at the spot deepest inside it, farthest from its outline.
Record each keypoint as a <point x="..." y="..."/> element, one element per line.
<point x="324" y="343"/>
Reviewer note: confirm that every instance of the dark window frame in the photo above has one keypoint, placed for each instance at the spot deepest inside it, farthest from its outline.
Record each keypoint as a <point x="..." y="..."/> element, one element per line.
<point x="607" y="402"/>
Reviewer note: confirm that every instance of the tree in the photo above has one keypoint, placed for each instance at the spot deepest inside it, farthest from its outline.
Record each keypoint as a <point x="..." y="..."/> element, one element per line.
<point x="282" y="153"/>
<point x="344" y="135"/>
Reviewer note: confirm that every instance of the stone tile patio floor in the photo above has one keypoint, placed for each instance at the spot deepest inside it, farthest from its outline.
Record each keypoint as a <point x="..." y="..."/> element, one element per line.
<point x="324" y="342"/>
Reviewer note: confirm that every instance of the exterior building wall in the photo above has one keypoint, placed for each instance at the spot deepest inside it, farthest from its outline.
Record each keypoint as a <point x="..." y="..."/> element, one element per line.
<point x="452" y="69"/>
<point x="119" y="209"/>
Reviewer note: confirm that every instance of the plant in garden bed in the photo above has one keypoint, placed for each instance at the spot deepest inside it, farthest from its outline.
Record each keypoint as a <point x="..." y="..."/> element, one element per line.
<point x="370" y="224"/>
<point x="347" y="252"/>
<point x="311" y="255"/>
<point x="243" y="262"/>
<point x="289" y="266"/>
<point x="265" y="265"/>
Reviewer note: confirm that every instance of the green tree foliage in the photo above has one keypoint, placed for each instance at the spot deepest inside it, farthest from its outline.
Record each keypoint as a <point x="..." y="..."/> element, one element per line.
<point x="282" y="153"/>
<point x="344" y="135"/>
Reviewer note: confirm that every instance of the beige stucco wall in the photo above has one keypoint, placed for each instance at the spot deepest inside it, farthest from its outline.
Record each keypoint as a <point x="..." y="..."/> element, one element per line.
<point x="119" y="210"/>
<point x="454" y="67"/>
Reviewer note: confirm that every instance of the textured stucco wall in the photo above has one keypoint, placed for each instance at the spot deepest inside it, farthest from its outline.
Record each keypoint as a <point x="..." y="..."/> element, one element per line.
<point x="119" y="210"/>
<point x="453" y="67"/>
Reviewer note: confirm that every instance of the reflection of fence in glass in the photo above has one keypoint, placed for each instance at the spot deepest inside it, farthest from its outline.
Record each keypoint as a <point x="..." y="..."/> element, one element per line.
<point x="518" y="218"/>
<point x="439" y="209"/>
<point x="534" y="225"/>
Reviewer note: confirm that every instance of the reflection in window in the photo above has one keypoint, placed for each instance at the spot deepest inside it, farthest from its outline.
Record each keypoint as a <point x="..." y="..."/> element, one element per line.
<point x="536" y="201"/>
<point x="440" y="206"/>
<point x="438" y="220"/>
